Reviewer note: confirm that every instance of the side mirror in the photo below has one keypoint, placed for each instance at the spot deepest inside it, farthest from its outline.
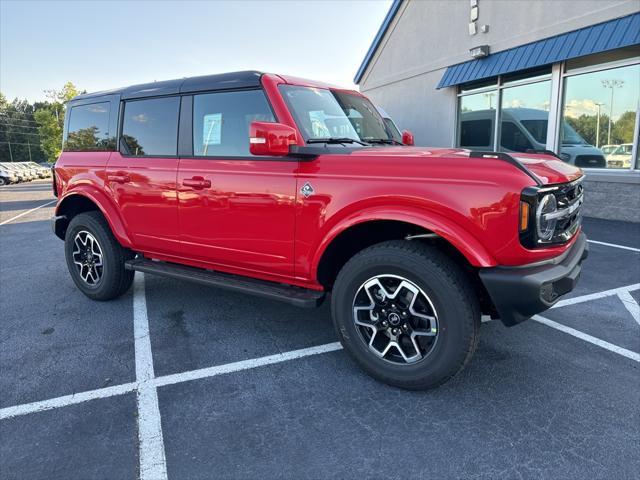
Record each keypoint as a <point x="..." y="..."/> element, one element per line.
<point x="407" y="138"/>
<point x="271" y="139"/>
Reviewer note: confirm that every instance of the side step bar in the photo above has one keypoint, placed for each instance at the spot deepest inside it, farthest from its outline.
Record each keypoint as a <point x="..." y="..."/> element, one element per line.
<point x="300" y="297"/>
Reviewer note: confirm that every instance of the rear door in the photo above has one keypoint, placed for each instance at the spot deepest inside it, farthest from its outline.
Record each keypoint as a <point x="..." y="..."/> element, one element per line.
<point x="142" y="174"/>
<point x="236" y="211"/>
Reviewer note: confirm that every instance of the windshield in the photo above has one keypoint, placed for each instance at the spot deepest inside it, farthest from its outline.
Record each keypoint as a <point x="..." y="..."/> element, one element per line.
<point x="570" y="136"/>
<point x="323" y="114"/>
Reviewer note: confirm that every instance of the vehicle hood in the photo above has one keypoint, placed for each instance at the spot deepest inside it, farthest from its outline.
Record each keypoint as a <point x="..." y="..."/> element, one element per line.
<point x="547" y="168"/>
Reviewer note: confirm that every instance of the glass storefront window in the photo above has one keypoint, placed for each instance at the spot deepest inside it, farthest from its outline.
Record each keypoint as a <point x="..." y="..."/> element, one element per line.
<point x="599" y="118"/>
<point x="524" y="117"/>
<point x="476" y="120"/>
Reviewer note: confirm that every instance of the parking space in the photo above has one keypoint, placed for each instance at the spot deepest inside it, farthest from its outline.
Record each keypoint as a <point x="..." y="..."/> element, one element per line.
<point x="176" y="380"/>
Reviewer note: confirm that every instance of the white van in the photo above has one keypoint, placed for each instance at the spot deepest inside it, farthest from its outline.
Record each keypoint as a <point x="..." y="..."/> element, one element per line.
<point x="525" y="129"/>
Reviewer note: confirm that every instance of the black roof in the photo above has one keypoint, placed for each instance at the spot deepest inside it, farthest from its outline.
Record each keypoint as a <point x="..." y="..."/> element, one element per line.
<point x="222" y="81"/>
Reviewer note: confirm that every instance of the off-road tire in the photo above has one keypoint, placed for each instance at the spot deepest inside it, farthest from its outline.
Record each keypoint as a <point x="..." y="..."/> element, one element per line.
<point x="115" y="280"/>
<point x="450" y="291"/>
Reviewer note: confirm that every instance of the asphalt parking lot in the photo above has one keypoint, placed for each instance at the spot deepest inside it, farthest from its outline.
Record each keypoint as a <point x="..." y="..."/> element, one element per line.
<point x="179" y="381"/>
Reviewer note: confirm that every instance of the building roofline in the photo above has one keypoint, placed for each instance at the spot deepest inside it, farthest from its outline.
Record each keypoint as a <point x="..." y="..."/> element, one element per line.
<point x="391" y="14"/>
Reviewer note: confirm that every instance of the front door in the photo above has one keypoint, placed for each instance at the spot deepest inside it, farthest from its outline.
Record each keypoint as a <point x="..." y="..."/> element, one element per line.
<point x="142" y="175"/>
<point x="236" y="211"/>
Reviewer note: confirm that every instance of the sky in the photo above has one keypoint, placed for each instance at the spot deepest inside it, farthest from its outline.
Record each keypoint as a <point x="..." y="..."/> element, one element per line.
<point x="100" y="45"/>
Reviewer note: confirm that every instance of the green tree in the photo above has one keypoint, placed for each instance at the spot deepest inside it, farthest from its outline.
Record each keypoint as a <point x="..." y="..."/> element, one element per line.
<point x="50" y="119"/>
<point x="623" y="129"/>
<point x="19" y="138"/>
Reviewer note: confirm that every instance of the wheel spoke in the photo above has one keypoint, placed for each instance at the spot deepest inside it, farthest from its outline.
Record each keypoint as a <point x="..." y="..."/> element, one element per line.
<point x="397" y="311"/>
<point x="87" y="257"/>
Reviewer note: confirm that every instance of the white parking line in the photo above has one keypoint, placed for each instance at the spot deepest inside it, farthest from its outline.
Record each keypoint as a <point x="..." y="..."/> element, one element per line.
<point x="153" y="465"/>
<point x="66" y="400"/>
<point x="597" y="295"/>
<point x="630" y="304"/>
<point x="588" y="338"/>
<point x="614" y="245"/>
<point x="246" y="364"/>
<point x="27" y="212"/>
<point x="144" y="367"/>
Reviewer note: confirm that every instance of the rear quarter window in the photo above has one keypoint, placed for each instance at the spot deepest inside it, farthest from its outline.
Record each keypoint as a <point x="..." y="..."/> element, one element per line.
<point x="88" y="128"/>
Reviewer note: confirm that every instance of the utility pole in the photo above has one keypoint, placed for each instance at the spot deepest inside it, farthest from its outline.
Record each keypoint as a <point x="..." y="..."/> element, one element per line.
<point x="10" y="153"/>
<point x="598" y="125"/>
<point x="29" y="147"/>
<point x="612" y="84"/>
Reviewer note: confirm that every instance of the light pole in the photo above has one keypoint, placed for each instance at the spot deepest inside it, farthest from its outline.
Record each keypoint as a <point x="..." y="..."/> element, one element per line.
<point x="612" y="84"/>
<point x="598" y="125"/>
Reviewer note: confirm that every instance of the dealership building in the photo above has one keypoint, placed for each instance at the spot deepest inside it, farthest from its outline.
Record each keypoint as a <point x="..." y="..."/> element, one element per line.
<point x="515" y="76"/>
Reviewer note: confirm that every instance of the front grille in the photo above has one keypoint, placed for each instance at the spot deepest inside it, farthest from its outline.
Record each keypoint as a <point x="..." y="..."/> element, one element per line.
<point x="570" y="198"/>
<point x="590" y="161"/>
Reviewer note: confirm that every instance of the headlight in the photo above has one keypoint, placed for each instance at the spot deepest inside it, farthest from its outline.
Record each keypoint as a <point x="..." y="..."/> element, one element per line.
<point x="544" y="227"/>
<point x="565" y="157"/>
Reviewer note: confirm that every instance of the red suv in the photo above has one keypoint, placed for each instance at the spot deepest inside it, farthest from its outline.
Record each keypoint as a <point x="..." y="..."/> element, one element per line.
<point x="295" y="190"/>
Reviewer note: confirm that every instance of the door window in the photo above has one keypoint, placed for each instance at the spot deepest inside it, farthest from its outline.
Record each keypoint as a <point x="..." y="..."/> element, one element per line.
<point x="221" y="122"/>
<point x="150" y="127"/>
<point x="88" y="128"/>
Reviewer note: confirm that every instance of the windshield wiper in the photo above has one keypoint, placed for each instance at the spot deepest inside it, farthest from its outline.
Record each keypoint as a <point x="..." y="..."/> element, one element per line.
<point x="386" y="141"/>
<point x="336" y="140"/>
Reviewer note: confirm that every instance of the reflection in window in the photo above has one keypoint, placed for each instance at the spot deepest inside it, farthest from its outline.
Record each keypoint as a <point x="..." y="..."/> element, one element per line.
<point x="599" y="114"/>
<point x="88" y="128"/>
<point x="525" y="116"/>
<point x="151" y="126"/>
<point x="477" y="117"/>
<point x="221" y="121"/>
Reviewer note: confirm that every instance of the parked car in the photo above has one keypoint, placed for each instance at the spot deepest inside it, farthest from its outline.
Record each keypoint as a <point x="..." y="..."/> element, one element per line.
<point x="41" y="171"/>
<point x="7" y="176"/>
<point x="607" y="149"/>
<point x="28" y="172"/>
<point x="525" y="129"/>
<point x="262" y="184"/>
<point x="17" y="172"/>
<point x="620" y="157"/>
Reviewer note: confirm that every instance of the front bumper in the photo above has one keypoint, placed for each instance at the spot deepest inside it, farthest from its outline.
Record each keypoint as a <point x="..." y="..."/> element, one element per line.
<point x="518" y="293"/>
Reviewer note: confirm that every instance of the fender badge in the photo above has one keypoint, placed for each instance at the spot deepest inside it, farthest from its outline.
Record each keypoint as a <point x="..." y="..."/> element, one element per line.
<point x="307" y="190"/>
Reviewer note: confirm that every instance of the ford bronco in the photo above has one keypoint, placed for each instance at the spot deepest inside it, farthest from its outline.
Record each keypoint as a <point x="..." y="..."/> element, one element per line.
<point x="297" y="191"/>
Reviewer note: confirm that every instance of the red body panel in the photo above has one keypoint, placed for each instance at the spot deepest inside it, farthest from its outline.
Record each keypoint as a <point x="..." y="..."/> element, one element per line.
<point x="248" y="216"/>
<point x="144" y="190"/>
<point x="245" y="220"/>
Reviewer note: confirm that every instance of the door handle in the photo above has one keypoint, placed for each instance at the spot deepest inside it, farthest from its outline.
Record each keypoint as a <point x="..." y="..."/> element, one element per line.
<point x="197" y="182"/>
<point x="119" y="178"/>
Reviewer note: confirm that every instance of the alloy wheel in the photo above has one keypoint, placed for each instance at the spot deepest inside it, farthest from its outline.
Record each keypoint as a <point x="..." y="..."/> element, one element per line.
<point x="87" y="256"/>
<point x="396" y="319"/>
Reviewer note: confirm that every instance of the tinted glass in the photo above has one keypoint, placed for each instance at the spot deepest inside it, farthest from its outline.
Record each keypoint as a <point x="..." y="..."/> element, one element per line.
<point x="150" y="127"/>
<point x="221" y="121"/>
<point x="525" y="116"/>
<point x="89" y="128"/>
<point x="477" y="114"/>
<point x="599" y="117"/>
<point x="513" y="138"/>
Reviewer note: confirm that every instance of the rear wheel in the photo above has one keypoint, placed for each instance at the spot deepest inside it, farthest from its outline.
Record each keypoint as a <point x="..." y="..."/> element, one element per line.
<point x="3" y="181"/>
<point x="406" y="313"/>
<point x="95" y="258"/>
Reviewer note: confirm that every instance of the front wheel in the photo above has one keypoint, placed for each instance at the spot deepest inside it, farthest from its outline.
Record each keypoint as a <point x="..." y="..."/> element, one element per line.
<point x="95" y="258"/>
<point x="406" y="313"/>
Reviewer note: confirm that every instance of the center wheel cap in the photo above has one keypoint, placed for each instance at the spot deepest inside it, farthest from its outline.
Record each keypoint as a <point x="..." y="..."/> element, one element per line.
<point x="394" y="318"/>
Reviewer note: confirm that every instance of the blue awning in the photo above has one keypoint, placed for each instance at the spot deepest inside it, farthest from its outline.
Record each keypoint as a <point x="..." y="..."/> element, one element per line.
<point x="618" y="33"/>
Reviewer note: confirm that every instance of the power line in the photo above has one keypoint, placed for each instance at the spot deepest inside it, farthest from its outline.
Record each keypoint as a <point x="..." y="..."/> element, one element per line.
<point x="6" y="114"/>
<point x="20" y="133"/>
<point x="16" y="125"/>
